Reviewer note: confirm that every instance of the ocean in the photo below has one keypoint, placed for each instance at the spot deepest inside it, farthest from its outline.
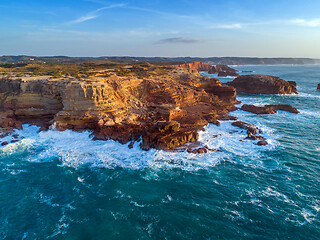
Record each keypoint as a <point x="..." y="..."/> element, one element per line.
<point x="64" y="185"/>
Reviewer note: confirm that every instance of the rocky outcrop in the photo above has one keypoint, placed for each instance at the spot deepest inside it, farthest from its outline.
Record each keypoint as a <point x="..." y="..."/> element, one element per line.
<point x="222" y="70"/>
<point x="263" y="84"/>
<point x="165" y="111"/>
<point x="200" y="150"/>
<point x="318" y="86"/>
<point x="199" y="66"/>
<point x="251" y="129"/>
<point x="269" y="109"/>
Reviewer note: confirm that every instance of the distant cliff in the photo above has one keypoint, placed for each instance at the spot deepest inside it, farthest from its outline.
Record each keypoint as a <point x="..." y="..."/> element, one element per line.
<point x="132" y="59"/>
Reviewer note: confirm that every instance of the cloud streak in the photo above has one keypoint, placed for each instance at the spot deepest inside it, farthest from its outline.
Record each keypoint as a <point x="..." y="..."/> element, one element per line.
<point x="291" y="22"/>
<point x="306" y="23"/>
<point x="94" y="14"/>
<point x="178" y="40"/>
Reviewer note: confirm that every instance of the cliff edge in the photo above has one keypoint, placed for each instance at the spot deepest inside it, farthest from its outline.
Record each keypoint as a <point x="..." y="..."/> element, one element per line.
<point x="164" y="110"/>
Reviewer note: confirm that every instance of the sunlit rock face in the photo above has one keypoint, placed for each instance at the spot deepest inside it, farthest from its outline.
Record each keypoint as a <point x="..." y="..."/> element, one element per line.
<point x="165" y="111"/>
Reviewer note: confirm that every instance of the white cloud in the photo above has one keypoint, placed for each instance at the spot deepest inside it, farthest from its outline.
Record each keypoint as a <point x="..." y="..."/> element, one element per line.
<point x="228" y="26"/>
<point x="293" y="22"/>
<point x="307" y="23"/>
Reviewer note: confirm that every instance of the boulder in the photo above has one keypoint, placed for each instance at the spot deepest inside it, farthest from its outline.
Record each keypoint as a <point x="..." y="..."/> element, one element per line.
<point x="262" y="84"/>
<point x="251" y="129"/>
<point x="262" y="143"/>
<point x="318" y="86"/>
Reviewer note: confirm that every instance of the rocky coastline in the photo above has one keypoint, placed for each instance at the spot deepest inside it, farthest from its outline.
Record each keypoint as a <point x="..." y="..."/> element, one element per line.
<point x="161" y="111"/>
<point x="164" y="111"/>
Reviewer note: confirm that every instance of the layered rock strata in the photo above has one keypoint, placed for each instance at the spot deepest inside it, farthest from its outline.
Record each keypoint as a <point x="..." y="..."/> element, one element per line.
<point x="164" y="111"/>
<point x="263" y="84"/>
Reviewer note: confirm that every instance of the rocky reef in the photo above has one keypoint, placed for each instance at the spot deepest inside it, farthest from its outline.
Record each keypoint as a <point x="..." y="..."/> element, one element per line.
<point x="263" y="84"/>
<point x="164" y="110"/>
<point x="222" y="70"/>
<point x="269" y="109"/>
<point x="252" y="132"/>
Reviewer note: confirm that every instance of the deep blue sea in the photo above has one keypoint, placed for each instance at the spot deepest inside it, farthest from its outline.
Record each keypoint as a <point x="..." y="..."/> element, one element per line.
<point x="63" y="185"/>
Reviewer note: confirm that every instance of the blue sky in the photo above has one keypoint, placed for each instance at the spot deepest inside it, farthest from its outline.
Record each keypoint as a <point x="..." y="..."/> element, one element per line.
<point x="273" y="28"/>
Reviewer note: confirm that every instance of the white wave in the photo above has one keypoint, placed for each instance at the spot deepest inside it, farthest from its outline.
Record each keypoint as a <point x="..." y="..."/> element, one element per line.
<point x="269" y="192"/>
<point x="307" y="215"/>
<point x="310" y="113"/>
<point x="230" y="77"/>
<point x="255" y="100"/>
<point x="77" y="149"/>
<point x="302" y="95"/>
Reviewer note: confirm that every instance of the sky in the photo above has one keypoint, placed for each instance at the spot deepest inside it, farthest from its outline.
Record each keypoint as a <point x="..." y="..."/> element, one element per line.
<point x="167" y="28"/>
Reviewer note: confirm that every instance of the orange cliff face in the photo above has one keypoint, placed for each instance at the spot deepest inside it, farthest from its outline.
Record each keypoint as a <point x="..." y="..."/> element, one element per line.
<point x="165" y="111"/>
<point x="222" y="70"/>
<point x="199" y="66"/>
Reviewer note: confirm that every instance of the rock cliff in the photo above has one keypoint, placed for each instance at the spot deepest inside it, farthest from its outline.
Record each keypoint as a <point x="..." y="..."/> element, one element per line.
<point x="222" y="70"/>
<point x="263" y="84"/>
<point x="165" y="111"/>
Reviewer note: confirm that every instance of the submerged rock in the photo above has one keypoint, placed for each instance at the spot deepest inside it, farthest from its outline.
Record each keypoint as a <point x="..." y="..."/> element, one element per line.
<point x="318" y="86"/>
<point x="269" y="109"/>
<point x="263" y="84"/>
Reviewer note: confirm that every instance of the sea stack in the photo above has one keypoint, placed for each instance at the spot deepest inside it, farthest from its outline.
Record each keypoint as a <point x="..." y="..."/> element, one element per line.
<point x="269" y="109"/>
<point x="263" y="84"/>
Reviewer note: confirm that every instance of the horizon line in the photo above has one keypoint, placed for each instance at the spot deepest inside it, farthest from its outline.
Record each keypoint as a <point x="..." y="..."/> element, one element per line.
<point x="132" y="56"/>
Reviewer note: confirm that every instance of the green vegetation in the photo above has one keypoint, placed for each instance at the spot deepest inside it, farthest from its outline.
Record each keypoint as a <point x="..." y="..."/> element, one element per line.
<point x="102" y="69"/>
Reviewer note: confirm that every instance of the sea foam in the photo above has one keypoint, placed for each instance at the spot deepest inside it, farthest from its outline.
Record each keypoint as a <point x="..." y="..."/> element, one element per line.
<point x="77" y="149"/>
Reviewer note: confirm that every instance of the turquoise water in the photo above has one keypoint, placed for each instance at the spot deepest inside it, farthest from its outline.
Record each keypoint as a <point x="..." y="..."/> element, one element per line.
<point x="63" y="185"/>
